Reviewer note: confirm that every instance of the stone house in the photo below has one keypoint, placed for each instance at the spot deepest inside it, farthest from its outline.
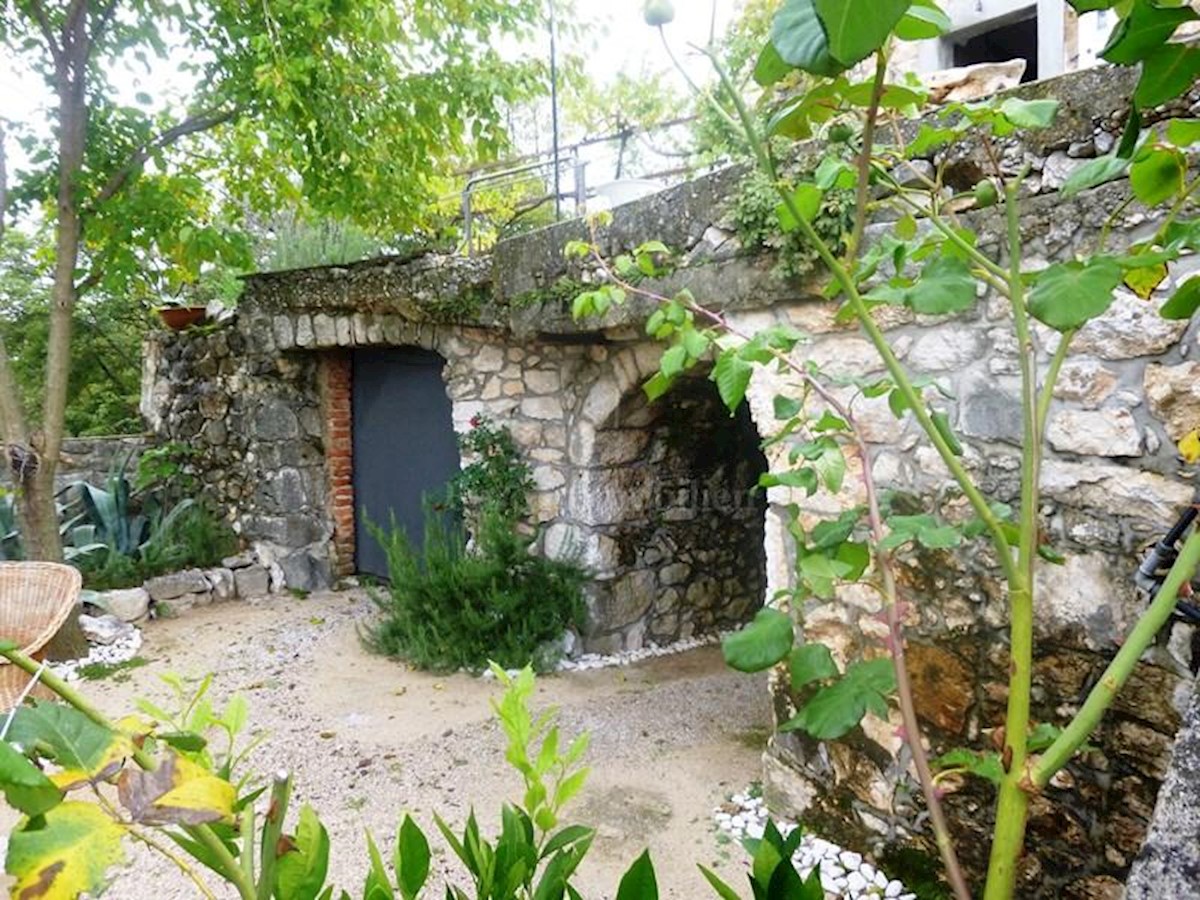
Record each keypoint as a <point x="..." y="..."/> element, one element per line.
<point x="654" y="498"/>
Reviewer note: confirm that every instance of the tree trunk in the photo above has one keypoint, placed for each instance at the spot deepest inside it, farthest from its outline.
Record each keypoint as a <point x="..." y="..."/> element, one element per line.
<point x="36" y="498"/>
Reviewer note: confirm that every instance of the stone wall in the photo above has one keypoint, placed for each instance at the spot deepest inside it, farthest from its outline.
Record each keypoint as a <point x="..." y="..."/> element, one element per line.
<point x="93" y="459"/>
<point x="628" y="488"/>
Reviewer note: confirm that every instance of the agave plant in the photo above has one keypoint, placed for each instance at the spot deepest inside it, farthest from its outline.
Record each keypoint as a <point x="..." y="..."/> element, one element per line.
<point x="116" y="516"/>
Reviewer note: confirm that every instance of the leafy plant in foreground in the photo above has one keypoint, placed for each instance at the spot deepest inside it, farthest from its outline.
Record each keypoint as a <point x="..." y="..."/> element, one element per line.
<point x="929" y="262"/>
<point x="177" y="795"/>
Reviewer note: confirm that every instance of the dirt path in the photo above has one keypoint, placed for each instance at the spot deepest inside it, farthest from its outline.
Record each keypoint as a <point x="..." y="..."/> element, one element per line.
<point x="369" y="740"/>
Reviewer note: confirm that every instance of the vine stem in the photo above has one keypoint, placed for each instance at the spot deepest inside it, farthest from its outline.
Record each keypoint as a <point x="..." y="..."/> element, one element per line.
<point x="1059" y="753"/>
<point x="1012" y="806"/>
<point x="875" y="334"/>
<point x="227" y="865"/>
<point x="904" y="689"/>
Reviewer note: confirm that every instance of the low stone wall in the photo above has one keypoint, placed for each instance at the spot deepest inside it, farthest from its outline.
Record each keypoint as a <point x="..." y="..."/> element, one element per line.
<point x="92" y="459"/>
<point x="266" y="401"/>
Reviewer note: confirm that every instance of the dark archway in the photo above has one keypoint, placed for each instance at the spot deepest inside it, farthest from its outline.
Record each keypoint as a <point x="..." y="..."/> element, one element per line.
<point x="672" y="486"/>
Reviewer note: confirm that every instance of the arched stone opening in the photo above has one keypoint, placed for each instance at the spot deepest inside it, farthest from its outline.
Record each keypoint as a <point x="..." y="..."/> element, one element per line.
<point x="664" y="502"/>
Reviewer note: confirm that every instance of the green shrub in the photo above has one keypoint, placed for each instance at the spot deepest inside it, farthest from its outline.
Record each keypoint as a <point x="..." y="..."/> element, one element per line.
<point x="451" y="607"/>
<point x="197" y="537"/>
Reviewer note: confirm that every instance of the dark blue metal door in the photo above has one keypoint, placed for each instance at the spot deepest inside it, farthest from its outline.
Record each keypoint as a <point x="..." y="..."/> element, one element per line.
<point x="404" y="444"/>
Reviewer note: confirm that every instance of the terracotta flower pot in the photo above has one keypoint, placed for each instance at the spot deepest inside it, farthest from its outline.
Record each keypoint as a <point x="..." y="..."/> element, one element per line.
<point x="178" y="318"/>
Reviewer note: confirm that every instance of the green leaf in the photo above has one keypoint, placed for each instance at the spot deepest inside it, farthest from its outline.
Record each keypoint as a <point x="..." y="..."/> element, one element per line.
<point x="25" y="787"/>
<point x="1029" y="113"/>
<point x="1184" y="302"/>
<point x="657" y="385"/>
<point x="1066" y="295"/>
<point x="639" y="883"/>
<point x="763" y="643"/>
<point x="787" y="407"/>
<point x="835" y="710"/>
<point x="821" y="574"/>
<point x="830" y="467"/>
<point x="1166" y="73"/>
<point x="941" y="422"/>
<point x="1183" y="132"/>
<point x="1158" y="175"/>
<point x="1144" y="30"/>
<point x="65" y="853"/>
<point x="300" y="873"/>
<point x="412" y="859"/>
<point x="945" y="286"/>
<point x="799" y="37"/>
<point x="942" y="537"/>
<point x="1093" y="173"/>
<point x="724" y="891"/>
<point x="770" y="67"/>
<point x="673" y="361"/>
<point x="83" y="750"/>
<point x="857" y="28"/>
<point x="834" y="172"/>
<point x="806" y="200"/>
<point x="809" y="663"/>
<point x="569" y="835"/>
<point x="732" y="375"/>
<point x="982" y="765"/>
<point x="1083" y="6"/>
<point x="378" y="885"/>
<point x="924" y="20"/>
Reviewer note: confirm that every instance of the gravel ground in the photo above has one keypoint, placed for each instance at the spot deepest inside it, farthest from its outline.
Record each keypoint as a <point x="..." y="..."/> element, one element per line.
<point x="368" y="740"/>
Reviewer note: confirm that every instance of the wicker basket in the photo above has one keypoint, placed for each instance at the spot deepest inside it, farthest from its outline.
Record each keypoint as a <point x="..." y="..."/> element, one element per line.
<point x="35" y="599"/>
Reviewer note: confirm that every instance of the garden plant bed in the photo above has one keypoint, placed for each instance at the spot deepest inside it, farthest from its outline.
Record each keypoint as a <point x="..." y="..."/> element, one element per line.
<point x="368" y="739"/>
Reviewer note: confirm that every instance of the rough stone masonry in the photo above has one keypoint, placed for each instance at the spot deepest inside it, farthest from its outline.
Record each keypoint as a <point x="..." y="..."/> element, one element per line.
<point x="662" y="518"/>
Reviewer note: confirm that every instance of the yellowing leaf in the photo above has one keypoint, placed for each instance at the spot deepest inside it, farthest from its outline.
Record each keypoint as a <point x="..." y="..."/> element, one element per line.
<point x="1189" y="447"/>
<point x="178" y="792"/>
<point x="84" y="751"/>
<point x="68" y="854"/>
<point x="1145" y="280"/>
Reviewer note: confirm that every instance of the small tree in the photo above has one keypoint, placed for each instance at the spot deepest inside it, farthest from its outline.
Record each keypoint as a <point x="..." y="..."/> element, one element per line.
<point x="350" y="105"/>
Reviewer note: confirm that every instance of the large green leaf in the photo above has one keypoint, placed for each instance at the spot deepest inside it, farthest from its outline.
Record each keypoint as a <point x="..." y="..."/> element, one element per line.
<point x="63" y="854"/>
<point x="800" y="39"/>
<point x="857" y="28"/>
<point x="1093" y="173"/>
<point x="810" y="662"/>
<point x="770" y="67"/>
<point x="25" y="787"/>
<point x="945" y="286"/>
<point x="1158" y="175"/>
<point x="835" y="710"/>
<point x="761" y="644"/>
<point x="1143" y="31"/>
<point x="1029" y="113"/>
<point x="1184" y="303"/>
<point x="1166" y="73"/>
<point x="412" y="859"/>
<point x="83" y="750"/>
<point x="300" y="873"/>
<point x="923" y="20"/>
<point x="724" y="891"/>
<point x="1066" y="295"/>
<point x="732" y="375"/>
<point x="639" y="882"/>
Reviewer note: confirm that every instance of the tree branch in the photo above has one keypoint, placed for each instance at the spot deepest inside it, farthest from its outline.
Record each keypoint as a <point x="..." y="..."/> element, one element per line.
<point x="102" y="20"/>
<point x="202" y="122"/>
<point x="43" y="23"/>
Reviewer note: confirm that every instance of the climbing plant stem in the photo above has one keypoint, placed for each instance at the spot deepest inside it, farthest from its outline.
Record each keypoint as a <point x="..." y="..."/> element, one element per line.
<point x="1013" y="804"/>
<point x="1059" y="753"/>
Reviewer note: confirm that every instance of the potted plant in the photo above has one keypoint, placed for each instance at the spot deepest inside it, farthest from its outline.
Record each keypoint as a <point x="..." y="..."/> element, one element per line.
<point x="179" y="315"/>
